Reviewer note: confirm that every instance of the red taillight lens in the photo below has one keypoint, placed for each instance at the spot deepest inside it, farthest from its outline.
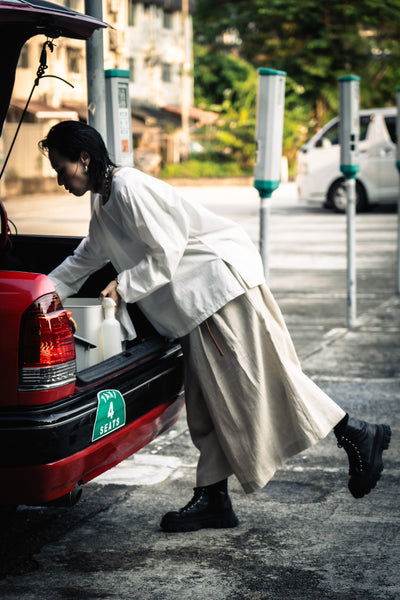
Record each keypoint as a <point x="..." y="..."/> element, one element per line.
<point x="47" y="348"/>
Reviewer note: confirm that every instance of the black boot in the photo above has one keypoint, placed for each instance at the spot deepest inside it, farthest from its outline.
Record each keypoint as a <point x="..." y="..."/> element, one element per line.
<point x="364" y="444"/>
<point x="209" y="507"/>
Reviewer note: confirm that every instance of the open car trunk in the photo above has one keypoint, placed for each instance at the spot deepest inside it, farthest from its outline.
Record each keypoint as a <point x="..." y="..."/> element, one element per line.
<point x="60" y="428"/>
<point x="48" y="449"/>
<point x="40" y="254"/>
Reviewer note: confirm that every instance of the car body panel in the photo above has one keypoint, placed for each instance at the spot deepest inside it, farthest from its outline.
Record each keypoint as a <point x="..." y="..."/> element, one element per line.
<point x="41" y="484"/>
<point x="46" y="435"/>
<point x="54" y="431"/>
<point x="17" y="292"/>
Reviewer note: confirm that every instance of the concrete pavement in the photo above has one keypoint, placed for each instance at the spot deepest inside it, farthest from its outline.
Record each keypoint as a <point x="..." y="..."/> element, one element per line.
<point x="303" y="537"/>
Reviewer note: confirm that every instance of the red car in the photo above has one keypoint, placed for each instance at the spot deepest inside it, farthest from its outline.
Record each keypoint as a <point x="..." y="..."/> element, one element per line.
<point x="61" y="427"/>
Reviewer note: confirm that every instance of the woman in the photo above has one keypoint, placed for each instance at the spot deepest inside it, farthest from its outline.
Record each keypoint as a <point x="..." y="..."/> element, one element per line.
<point x="198" y="277"/>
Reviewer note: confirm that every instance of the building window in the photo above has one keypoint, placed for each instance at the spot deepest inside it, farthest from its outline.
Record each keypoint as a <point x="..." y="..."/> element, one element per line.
<point x="166" y="72"/>
<point x="73" y="60"/>
<point x="23" y="62"/>
<point x="72" y="4"/>
<point x="131" y="13"/>
<point x="167" y="20"/>
<point x="113" y="40"/>
<point x="131" y="69"/>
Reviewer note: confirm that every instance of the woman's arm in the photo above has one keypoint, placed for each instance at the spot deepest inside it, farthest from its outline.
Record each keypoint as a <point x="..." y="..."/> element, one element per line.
<point x="87" y="258"/>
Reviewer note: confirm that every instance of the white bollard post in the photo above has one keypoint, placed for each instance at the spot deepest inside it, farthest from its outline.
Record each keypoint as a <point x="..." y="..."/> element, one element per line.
<point x="349" y="92"/>
<point x="398" y="199"/>
<point x="351" y="253"/>
<point x="269" y="132"/>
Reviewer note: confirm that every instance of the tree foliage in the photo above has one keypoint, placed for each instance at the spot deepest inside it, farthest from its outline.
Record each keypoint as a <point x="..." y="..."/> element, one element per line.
<point x="228" y="86"/>
<point x="314" y="42"/>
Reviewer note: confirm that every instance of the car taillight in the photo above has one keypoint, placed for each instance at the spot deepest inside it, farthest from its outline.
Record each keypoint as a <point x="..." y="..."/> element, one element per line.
<point x="47" y="348"/>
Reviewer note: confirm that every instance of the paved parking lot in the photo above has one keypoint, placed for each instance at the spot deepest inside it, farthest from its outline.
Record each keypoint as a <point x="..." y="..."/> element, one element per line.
<point x="301" y="538"/>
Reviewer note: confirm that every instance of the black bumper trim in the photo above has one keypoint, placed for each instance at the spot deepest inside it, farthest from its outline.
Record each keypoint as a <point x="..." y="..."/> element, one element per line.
<point x="42" y="435"/>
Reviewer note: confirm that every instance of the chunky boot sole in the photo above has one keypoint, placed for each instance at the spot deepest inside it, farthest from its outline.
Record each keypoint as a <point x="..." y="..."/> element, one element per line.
<point x="361" y="483"/>
<point x="175" y="521"/>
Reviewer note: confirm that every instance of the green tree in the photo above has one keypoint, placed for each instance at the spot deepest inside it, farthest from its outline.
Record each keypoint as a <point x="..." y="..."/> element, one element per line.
<point x="228" y="85"/>
<point x="314" y="42"/>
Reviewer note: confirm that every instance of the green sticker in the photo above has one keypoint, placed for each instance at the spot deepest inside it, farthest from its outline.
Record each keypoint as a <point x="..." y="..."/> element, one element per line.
<point x="110" y="415"/>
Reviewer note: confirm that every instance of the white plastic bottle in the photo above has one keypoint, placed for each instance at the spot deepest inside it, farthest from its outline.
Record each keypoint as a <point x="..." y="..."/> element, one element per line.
<point x="110" y="330"/>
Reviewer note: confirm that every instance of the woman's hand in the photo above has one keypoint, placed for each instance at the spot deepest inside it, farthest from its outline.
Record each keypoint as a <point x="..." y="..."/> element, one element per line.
<point x="111" y="292"/>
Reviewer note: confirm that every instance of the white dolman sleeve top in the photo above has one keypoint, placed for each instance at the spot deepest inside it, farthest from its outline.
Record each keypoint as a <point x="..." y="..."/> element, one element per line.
<point x="173" y="256"/>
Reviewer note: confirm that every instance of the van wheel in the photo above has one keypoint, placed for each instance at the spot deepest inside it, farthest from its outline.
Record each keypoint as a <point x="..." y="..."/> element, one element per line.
<point x="337" y="196"/>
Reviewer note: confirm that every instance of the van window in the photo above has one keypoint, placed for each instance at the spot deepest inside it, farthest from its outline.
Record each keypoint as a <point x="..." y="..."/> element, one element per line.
<point x="331" y="136"/>
<point x="391" y="127"/>
<point x="364" y="122"/>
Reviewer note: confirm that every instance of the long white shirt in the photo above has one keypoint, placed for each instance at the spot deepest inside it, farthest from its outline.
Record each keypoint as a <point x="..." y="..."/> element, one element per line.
<point x="173" y="256"/>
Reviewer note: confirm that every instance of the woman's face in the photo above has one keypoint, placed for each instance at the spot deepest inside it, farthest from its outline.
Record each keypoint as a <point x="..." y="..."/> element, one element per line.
<point x="71" y="174"/>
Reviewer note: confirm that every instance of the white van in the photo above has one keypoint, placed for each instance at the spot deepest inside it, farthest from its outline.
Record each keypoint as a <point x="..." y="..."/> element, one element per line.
<point x="319" y="178"/>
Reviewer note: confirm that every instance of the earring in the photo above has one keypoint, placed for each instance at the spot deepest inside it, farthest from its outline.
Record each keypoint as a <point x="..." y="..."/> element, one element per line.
<point x="86" y="168"/>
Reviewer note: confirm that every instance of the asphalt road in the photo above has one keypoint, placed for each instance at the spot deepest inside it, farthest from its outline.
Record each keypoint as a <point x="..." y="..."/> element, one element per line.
<point x="303" y="536"/>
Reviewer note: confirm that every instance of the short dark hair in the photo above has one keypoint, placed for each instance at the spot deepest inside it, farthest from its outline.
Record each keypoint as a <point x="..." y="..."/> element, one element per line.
<point x="71" y="138"/>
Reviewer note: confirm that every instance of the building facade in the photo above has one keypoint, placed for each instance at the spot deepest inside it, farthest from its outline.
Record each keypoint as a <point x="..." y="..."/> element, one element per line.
<point x="150" y="38"/>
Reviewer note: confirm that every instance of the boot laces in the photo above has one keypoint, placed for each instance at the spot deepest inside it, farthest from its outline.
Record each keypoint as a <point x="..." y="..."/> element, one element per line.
<point x="198" y="492"/>
<point x="353" y="452"/>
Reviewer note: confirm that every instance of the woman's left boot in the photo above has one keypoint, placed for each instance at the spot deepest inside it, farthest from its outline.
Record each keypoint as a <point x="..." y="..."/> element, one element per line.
<point x="209" y="507"/>
<point x="364" y="444"/>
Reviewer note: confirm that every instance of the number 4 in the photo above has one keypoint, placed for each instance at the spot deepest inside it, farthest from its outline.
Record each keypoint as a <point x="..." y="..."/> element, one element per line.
<point x="110" y="411"/>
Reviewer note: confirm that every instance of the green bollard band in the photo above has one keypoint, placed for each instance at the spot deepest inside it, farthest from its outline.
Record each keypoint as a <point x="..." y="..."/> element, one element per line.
<point x="265" y="188"/>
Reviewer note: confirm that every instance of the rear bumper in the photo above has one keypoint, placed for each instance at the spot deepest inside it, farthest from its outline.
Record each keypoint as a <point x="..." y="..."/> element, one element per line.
<point x="46" y="450"/>
<point x="39" y="484"/>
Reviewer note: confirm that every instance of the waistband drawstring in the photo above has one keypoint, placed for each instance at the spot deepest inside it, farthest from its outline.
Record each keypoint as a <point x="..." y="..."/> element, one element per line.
<point x="213" y="338"/>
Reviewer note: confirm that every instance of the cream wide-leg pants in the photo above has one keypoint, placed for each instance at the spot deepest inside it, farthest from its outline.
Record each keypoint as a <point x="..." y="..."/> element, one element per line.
<point x="249" y="405"/>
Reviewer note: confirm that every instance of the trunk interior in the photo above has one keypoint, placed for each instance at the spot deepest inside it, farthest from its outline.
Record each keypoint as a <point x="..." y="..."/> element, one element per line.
<point x="40" y="254"/>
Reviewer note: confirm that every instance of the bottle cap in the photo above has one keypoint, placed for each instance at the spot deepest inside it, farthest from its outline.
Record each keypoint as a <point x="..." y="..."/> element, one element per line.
<point x="108" y="302"/>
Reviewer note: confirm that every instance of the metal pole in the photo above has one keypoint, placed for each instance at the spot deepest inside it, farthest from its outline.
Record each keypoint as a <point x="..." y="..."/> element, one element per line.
<point x="398" y="243"/>
<point x="349" y="133"/>
<point x="96" y="88"/>
<point x="398" y="199"/>
<point x="351" y="253"/>
<point x="185" y="99"/>
<point x="265" y="217"/>
<point x="269" y="131"/>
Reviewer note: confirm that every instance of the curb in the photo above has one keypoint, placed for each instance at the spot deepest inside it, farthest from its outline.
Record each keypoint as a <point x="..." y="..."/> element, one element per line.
<point x="335" y="334"/>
